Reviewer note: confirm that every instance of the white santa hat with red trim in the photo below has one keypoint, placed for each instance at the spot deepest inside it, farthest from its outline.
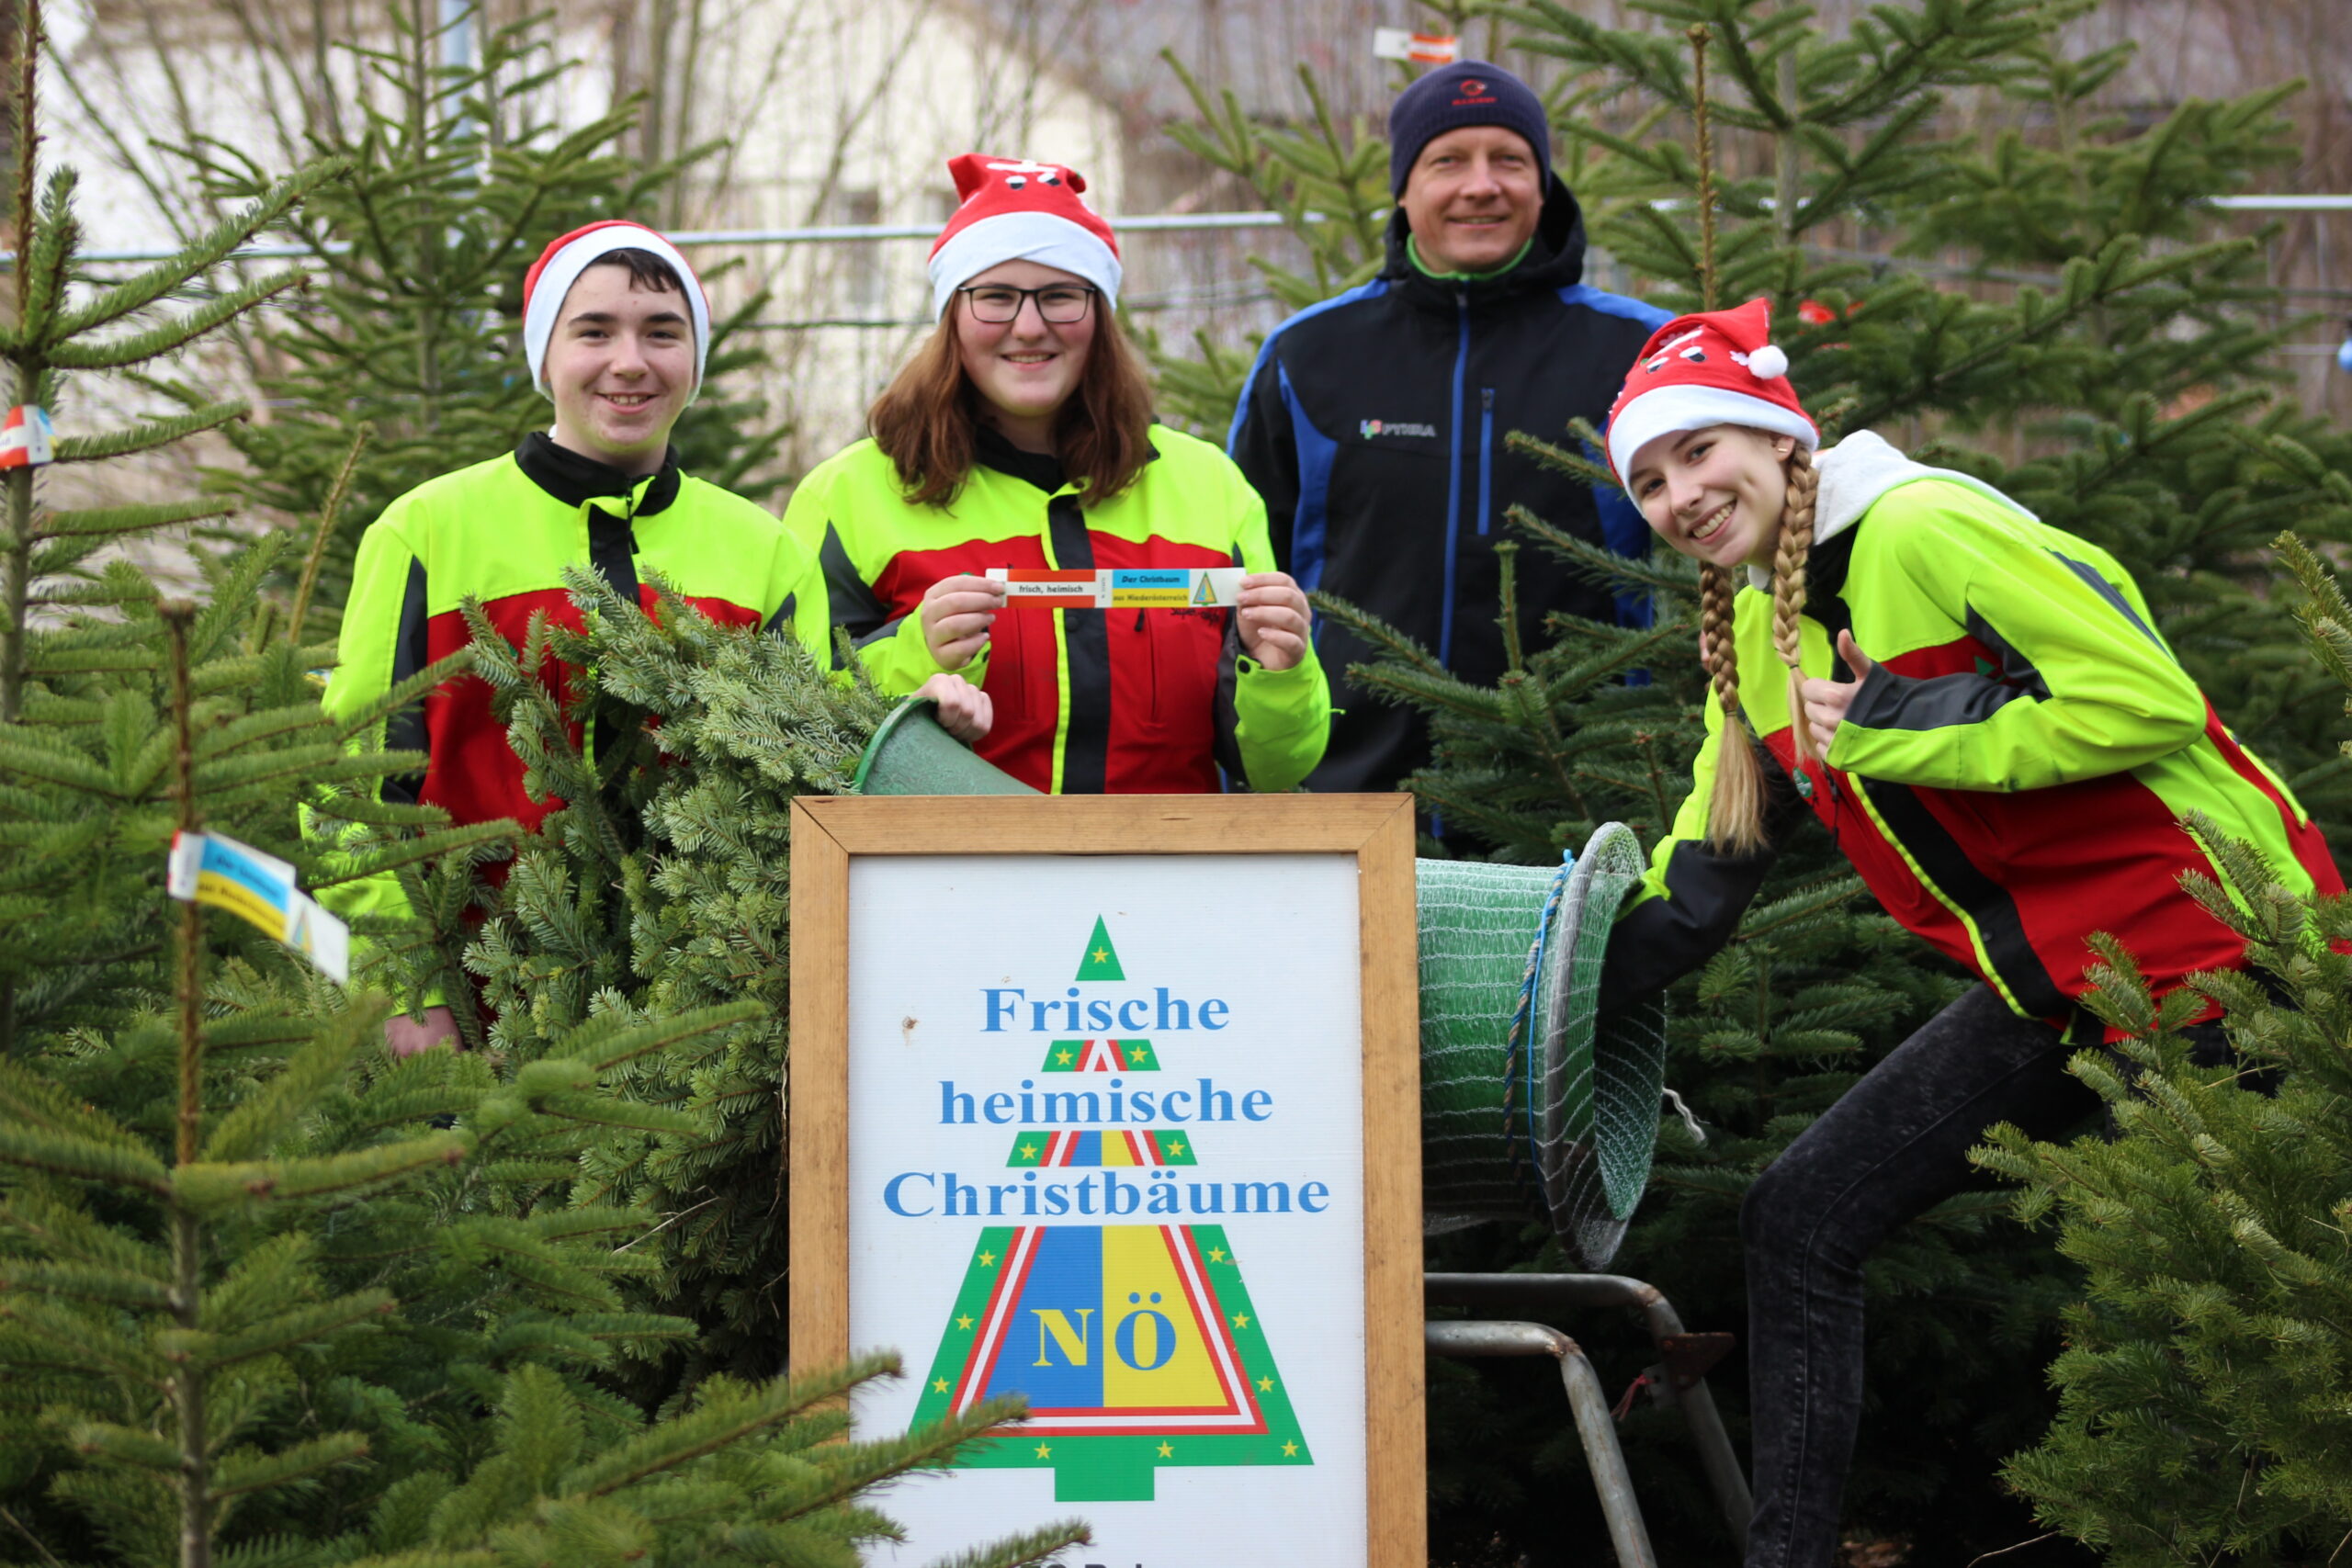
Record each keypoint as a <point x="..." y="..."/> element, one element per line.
<point x="1014" y="209"/>
<point x="1717" y="367"/>
<point x="549" y="281"/>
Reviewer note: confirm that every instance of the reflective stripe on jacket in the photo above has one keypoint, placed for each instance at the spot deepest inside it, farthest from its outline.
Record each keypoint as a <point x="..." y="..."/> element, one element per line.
<point x="503" y="532"/>
<point x="1087" y="701"/>
<point x="2011" y="778"/>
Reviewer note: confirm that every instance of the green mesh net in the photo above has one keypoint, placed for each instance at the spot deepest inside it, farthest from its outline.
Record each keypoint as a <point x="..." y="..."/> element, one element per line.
<point x="1526" y="1106"/>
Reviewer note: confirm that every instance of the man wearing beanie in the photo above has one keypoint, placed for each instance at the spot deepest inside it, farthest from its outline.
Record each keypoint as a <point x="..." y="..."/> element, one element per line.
<point x="1372" y="423"/>
<point x="616" y="329"/>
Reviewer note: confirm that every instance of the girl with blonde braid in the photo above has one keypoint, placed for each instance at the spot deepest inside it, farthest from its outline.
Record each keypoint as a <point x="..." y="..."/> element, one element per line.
<point x="2008" y="769"/>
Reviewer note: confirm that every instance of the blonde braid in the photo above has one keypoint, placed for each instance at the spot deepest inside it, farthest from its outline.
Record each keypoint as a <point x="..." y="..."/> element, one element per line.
<point x="1788" y="589"/>
<point x="1735" y="806"/>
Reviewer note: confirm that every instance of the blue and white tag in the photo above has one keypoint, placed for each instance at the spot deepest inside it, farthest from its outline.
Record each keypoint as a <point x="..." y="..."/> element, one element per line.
<point x="212" y="868"/>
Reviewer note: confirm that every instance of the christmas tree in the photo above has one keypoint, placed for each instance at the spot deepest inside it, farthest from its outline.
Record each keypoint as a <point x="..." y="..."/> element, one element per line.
<point x="661" y="885"/>
<point x="2041" y="303"/>
<point x="267" y="1294"/>
<point x="2205" y="1379"/>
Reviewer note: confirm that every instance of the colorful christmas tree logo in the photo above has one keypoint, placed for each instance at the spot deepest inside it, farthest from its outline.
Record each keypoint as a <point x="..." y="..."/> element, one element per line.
<point x="1136" y="1345"/>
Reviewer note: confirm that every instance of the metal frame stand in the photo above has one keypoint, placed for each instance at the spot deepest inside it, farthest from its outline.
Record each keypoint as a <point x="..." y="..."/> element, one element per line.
<point x="1678" y="1378"/>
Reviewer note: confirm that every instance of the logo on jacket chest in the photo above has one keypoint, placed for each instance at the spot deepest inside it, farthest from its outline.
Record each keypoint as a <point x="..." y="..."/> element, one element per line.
<point x="1394" y="428"/>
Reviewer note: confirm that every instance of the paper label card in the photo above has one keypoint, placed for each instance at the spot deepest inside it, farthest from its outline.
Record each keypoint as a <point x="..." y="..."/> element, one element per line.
<point x="215" y="869"/>
<point x="1123" y="588"/>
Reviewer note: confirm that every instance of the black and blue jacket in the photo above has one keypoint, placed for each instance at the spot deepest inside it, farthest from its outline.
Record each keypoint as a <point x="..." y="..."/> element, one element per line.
<point x="1372" y="425"/>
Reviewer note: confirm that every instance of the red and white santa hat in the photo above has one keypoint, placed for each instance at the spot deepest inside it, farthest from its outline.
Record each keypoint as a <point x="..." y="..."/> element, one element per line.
<point x="1717" y="367"/>
<point x="550" y="282"/>
<point x="1014" y="209"/>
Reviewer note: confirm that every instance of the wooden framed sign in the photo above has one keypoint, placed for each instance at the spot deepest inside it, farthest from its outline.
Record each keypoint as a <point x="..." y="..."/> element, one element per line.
<point x="1112" y="1102"/>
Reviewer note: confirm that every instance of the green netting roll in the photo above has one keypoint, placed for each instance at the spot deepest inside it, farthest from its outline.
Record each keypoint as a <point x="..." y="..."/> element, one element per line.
<point x="1527" y="1106"/>
<point x="911" y="754"/>
<point x="1477" y="925"/>
<point x="1597" y="1099"/>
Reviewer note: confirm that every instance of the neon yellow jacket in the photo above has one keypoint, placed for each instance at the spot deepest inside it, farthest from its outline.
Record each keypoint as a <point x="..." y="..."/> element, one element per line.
<point x="1087" y="701"/>
<point x="2012" y="775"/>
<point x="503" y="532"/>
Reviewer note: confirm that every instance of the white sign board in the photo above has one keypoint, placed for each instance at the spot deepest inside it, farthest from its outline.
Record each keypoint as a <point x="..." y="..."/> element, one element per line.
<point x="1107" y="1152"/>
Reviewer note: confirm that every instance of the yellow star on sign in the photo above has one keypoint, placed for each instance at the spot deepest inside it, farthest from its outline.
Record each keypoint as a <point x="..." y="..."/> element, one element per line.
<point x="963" y="1323"/>
<point x="1167" y="1452"/>
<point x="1290" y="1451"/>
<point x="1063" y="1057"/>
<point x="1216" y="1254"/>
<point x="988" y="1259"/>
<point x="1265" y="1385"/>
<point x="1139" y="1053"/>
<point x="1044" y="1453"/>
<point x="1240" y="1320"/>
<point x="1175" y="1148"/>
<point x="1102" y="955"/>
<point x="1028" y="1151"/>
<point x="939" y="1385"/>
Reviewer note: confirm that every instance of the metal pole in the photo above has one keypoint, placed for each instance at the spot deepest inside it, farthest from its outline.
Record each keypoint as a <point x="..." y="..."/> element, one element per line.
<point x="1160" y="222"/>
<point x="1551" y="1292"/>
<point x="1595" y="1427"/>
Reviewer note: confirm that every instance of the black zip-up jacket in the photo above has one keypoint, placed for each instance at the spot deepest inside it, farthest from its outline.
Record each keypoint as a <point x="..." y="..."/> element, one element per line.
<point x="1372" y="425"/>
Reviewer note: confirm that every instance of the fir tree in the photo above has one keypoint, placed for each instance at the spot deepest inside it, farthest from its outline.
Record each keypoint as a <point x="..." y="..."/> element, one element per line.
<point x="269" y="1295"/>
<point x="2207" y="1376"/>
<point x="305" y="1304"/>
<point x="458" y="177"/>
<point x="81" y="649"/>
<point x="2049" y="288"/>
<point x="661" y="885"/>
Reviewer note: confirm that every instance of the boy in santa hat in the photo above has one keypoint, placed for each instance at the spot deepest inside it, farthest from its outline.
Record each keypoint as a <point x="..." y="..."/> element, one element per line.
<point x="615" y="330"/>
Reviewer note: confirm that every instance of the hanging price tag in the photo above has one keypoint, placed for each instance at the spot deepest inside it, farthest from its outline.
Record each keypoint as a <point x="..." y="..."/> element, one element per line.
<point x="26" y="438"/>
<point x="1123" y="588"/>
<point x="212" y="868"/>
<point x="1421" y="48"/>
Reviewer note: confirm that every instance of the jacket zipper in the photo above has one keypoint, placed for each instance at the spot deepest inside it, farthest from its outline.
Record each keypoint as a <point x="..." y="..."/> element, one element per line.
<point x="1485" y="458"/>
<point x="1453" y="481"/>
<point x="1151" y="663"/>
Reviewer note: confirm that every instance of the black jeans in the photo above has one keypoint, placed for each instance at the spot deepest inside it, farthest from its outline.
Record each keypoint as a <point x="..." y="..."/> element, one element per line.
<point x="1893" y="1146"/>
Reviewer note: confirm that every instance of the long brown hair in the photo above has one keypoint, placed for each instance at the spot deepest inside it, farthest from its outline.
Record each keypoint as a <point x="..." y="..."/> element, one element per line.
<point x="927" y="420"/>
<point x="1735" y="807"/>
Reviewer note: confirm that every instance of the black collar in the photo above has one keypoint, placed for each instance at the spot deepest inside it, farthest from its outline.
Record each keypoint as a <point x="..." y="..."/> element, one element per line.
<point x="575" y="480"/>
<point x="1043" y="469"/>
<point x="1825" y="567"/>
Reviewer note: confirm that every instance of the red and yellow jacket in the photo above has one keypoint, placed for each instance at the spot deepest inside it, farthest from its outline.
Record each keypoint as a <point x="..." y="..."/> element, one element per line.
<point x="503" y="532"/>
<point x="1087" y="701"/>
<point x="2014" y="774"/>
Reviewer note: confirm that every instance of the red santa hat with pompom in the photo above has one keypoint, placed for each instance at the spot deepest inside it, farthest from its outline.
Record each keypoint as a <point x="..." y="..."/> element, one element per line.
<point x="549" y="281"/>
<point x="1012" y="209"/>
<point x="1716" y="368"/>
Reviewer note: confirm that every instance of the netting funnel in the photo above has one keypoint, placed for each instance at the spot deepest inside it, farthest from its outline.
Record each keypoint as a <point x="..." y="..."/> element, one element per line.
<point x="910" y="754"/>
<point x="1527" y="1104"/>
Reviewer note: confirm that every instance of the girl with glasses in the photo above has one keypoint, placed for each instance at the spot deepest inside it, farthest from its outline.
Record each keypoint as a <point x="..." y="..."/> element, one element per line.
<point x="1020" y="435"/>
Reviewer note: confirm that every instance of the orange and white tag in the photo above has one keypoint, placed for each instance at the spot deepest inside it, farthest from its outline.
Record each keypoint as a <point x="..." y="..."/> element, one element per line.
<point x="26" y="438"/>
<point x="1123" y="588"/>
<point x="1421" y="48"/>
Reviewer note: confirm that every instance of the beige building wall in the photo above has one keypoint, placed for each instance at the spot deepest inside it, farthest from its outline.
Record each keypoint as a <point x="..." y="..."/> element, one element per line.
<point x="821" y="113"/>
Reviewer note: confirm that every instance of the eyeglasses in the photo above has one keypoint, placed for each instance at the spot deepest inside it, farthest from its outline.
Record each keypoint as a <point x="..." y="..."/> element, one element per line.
<point x="997" y="303"/>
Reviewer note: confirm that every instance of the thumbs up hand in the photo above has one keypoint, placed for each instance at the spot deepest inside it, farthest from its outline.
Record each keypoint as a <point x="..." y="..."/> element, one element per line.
<point x="1826" y="701"/>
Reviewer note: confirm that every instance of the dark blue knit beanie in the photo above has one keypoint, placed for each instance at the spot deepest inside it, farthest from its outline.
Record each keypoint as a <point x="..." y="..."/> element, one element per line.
<point x="1469" y="91"/>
